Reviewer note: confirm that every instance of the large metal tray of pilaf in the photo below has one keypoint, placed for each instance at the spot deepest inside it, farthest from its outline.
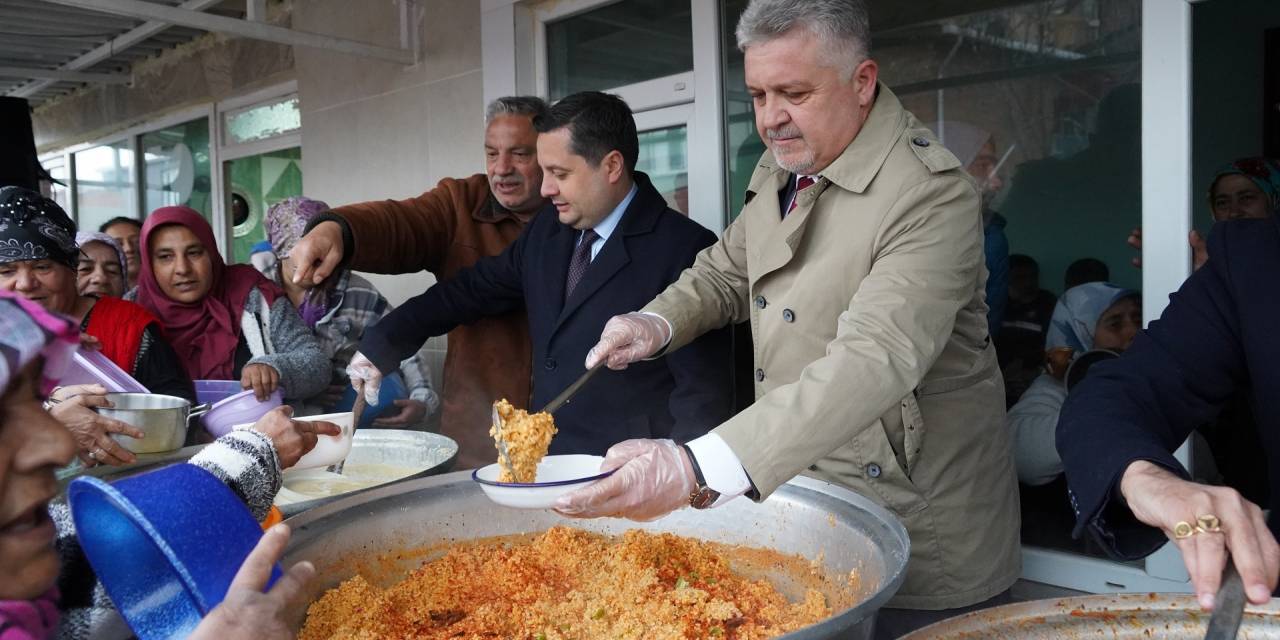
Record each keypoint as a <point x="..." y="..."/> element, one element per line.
<point x="809" y="537"/>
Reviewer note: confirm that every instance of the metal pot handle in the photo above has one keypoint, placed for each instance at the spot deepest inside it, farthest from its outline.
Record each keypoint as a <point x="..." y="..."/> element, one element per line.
<point x="199" y="410"/>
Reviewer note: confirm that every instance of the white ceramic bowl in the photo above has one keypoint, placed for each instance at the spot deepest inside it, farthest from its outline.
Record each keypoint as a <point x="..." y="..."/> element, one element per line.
<point x="329" y="450"/>
<point x="557" y="475"/>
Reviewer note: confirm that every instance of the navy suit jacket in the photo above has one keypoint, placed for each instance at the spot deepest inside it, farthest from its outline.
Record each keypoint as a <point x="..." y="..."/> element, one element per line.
<point x="681" y="396"/>
<point x="1217" y="336"/>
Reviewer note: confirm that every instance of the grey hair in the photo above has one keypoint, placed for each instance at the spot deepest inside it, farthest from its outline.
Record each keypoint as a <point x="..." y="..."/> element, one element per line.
<point x="531" y="106"/>
<point x="842" y="25"/>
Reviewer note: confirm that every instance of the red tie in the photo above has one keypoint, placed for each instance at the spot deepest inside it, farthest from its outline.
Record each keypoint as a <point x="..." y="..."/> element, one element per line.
<point x="802" y="183"/>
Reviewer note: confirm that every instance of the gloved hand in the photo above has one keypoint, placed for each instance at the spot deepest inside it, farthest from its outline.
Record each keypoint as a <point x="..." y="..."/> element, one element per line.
<point x="365" y="378"/>
<point x="653" y="478"/>
<point x="628" y="338"/>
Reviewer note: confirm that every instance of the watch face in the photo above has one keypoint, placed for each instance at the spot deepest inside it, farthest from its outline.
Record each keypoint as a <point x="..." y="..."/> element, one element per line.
<point x="703" y="498"/>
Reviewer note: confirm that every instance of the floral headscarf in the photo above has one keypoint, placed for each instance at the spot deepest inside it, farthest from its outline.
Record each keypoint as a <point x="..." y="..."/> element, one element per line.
<point x="85" y="237"/>
<point x="1078" y="312"/>
<point x="286" y="223"/>
<point x="1264" y="172"/>
<point x="33" y="227"/>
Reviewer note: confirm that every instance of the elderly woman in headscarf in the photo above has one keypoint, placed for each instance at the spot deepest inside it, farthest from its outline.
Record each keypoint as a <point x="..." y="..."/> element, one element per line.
<point x="339" y="310"/>
<point x="976" y="150"/>
<point x="225" y="322"/>
<point x="38" y="260"/>
<point x="1094" y="316"/>
<point x="48" y="586"/>
<point x="1248" y="188"/>
<point x="103" y="269"/>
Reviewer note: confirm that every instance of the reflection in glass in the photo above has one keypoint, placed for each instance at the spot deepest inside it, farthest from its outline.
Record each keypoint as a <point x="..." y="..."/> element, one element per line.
<point x="177" y="167"/>
<point x="664" y="157"/>
<point x="617" y="45"/>
<point x="742" y="146"/>
<point x="262" y="122"/>
<point x="60" y="193"/>
<point x="104" y="184"/>
<point x="254" y="184"/>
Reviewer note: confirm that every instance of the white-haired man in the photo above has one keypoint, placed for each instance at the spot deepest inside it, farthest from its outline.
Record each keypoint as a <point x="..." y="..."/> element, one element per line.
<point x="858" y="259"/>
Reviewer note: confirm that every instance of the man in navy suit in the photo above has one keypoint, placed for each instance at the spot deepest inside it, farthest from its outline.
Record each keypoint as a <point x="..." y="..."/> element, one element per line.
<point x="610" y="245"/>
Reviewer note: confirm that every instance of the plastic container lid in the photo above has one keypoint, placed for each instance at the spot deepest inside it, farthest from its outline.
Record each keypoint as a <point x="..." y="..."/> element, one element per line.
<point x="89" y="366"/>
<point x="208" y="391"/>
<point x="165" y="544"/>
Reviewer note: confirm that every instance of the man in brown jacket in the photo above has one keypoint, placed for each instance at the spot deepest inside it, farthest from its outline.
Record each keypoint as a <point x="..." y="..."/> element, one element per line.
<point x="858" y="260"/>
<point x="444" y="231"/>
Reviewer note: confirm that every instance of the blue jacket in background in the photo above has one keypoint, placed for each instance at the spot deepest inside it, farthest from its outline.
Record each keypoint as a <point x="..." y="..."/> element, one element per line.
<point x="996" y="246"/>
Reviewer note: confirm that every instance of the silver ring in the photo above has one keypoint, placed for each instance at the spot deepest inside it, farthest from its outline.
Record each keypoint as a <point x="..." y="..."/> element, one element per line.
<point x="93" y="454"/>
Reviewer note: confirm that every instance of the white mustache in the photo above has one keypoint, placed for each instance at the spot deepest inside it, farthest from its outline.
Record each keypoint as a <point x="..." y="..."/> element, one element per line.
<point x="785" y="132"/>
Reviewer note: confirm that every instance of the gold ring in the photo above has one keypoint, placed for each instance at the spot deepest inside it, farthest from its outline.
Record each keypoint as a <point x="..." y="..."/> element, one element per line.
<point x="1208" y="524"/>
<point x="1183" y="530"/>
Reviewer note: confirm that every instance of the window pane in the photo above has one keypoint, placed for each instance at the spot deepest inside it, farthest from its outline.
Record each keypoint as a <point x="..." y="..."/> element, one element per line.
<point x="1041" y="102"/>
<point x="664" y="156"/>
<point x="177" y="167"/>
<point x="263" y="121"/>
<point x="256" y="183"/>
<point x="618" y="45"/>
<point x="104" y="184"/>
<point x="743" y="146"/>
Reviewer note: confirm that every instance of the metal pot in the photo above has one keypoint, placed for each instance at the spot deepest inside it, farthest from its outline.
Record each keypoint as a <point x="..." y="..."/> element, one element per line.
<point x="1119" y="616"/>
<point x="829" y="525"/>
<point x="162" y="418"/>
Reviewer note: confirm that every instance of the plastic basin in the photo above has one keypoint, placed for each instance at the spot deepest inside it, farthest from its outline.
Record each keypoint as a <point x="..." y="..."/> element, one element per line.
<point x="241" y="408"/>
<point x="165" y="544"/>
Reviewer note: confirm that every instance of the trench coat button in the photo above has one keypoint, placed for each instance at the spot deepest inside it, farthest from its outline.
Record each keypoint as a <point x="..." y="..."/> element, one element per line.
<point x="759" y="375"/>
<point x="761" y="302"/>
<point x="788" y="315"/>
<point x="920" y="141"/>
<point x="873" y="470"/>
<point x="549" y="364"/>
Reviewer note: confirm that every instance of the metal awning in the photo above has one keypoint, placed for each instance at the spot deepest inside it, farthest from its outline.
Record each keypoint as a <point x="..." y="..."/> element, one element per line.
<point x="47" y="50"/>
<point x="50" y="47"/>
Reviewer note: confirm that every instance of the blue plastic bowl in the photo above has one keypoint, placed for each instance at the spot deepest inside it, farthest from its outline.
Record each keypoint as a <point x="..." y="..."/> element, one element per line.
<point x="392" y="389"/>
<point x="165" y="544"/>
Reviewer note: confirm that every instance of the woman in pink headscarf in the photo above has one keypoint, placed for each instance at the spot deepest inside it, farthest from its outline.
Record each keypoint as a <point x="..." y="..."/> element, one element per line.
<point x="225" y="322"/>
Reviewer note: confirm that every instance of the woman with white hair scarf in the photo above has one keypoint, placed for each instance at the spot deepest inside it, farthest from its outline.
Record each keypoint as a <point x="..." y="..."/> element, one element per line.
<point x="103" y="270"/>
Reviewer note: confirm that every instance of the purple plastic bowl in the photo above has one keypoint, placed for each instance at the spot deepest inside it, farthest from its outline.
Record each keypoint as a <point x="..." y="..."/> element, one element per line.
<point x="208" y="391"/>
<point x="241" y="408"/>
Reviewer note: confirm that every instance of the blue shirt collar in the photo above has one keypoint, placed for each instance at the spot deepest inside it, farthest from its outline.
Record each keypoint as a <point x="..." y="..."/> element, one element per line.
<point x="607" y="226"/>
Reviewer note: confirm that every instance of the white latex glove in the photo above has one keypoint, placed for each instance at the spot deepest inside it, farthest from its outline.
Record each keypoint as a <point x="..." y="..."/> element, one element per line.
<point x="365" y="377"/>
<point x="628" y="338"/>
<point x="653" y="478"/>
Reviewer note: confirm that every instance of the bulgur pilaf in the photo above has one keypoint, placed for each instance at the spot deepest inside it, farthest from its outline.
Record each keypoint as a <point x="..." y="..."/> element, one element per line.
<point x="567" y="584"/>
<point x="527" y="436"/>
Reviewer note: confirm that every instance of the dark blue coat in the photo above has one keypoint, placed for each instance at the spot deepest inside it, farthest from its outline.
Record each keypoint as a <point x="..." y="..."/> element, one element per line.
<point x="1217" y="336"/>
<point x="681" y="396"/>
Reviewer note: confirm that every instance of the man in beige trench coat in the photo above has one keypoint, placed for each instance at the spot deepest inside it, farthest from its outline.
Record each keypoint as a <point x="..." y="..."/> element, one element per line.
<point x="858" y="259"/>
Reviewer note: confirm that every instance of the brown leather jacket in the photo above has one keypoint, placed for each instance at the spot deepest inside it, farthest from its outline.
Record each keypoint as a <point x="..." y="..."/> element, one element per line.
<point x="443" y="231"/>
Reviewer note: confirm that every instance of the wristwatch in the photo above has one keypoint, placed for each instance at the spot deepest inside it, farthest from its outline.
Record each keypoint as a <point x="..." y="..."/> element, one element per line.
<point x="702" y="496"/>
